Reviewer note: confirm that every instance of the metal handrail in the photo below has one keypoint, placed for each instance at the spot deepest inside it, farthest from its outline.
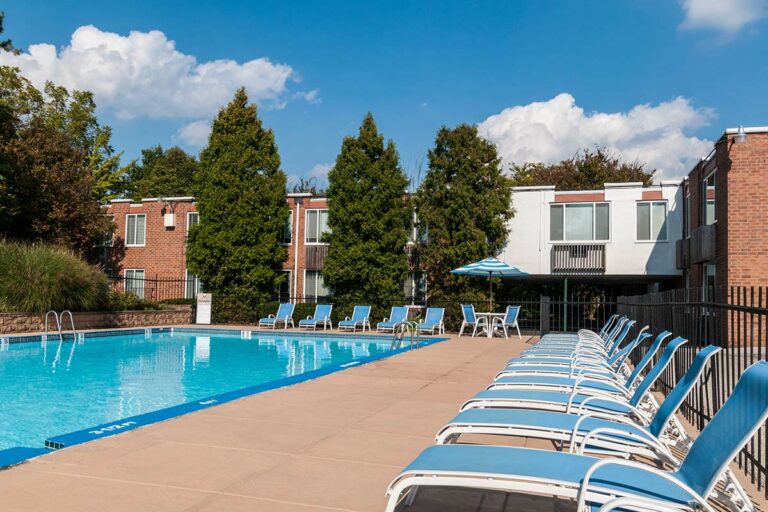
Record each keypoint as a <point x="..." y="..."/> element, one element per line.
<point x="58" y="325"/>
<point x="401" y="329"/>
<point x="71" y="322"/>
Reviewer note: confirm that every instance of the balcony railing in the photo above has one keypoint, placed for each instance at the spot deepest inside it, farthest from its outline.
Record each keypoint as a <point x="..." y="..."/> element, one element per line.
<point x="578" y="259"/>
<point x="314" y="256"/>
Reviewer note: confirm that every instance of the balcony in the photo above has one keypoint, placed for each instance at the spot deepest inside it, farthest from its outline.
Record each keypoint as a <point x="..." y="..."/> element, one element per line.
<point x="703" y="244"/>
<point x="314" y="256"/>
<point x="683" y="253"/>
<point x="578" y="259"/>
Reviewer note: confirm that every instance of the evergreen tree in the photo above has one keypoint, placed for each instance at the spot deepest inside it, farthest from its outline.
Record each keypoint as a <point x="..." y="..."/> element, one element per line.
<point x="235" y="249"/>
<point x="587" y="170"/>
<point x="464" y="204"/>
<point x="162" y="173"/>
<point x="367" y="217"/>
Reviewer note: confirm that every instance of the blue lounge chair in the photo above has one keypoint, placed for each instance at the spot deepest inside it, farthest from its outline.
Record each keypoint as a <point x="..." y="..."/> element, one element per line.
<point x="398" y="315"/>
<point x="510" y="320"/>
<point x="606" y="432"/>
<point x="433" y="321"/>
<point x="470" y="319"/>
<point x="586" y="384"/>
<point x="595" y="482"/>
<point x="284" y="315"/>
<point x="359" y="318"/>
<point x="590" y="344"/>
<point x="580" y="399"/>
<point x="577" y="365"/>
<point x="322" y="317"/>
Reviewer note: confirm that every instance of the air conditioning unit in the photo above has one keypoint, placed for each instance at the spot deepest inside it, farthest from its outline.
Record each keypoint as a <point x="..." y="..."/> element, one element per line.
<point x="169" y="220"/>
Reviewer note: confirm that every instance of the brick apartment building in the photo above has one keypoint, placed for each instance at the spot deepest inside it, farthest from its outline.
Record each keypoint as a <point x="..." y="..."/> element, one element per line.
<point x="708" y="232"/>
<point x="725" y="208"/>
<point x="149" y="244"/>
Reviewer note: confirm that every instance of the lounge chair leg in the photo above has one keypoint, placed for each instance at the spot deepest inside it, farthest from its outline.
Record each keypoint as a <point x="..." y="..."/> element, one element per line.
<point x="411" y="497"/>
<point x="518" y="332"/>
<point x="461" y="331"/>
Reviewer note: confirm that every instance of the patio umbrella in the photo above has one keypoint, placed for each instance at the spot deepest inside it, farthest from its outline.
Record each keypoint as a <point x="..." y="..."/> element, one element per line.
<point x="490" y="267"/>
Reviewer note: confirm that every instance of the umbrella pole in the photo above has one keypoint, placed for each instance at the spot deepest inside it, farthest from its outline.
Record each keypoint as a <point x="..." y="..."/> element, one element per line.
<point x="490" y="295"/>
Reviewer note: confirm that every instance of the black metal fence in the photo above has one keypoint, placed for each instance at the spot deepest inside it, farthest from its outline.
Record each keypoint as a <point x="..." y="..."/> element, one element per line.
<point x="736" y="319"/>
<point x="156" y="288"/>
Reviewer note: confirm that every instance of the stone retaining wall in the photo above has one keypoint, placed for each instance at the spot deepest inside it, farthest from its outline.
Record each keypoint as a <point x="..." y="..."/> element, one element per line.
<point x="13" y="323"/>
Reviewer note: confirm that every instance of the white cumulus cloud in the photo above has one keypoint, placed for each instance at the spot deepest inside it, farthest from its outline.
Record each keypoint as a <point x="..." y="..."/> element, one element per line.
<point x="727" y="16"/>
<point x="194" y="134"/>
<point x="320" y="172"/>
<point x="554" y="130"/>
<point x="144" y="75"/>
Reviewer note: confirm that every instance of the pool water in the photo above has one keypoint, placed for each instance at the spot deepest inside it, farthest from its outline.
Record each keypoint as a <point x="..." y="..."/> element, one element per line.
<point x="51" y="388"/>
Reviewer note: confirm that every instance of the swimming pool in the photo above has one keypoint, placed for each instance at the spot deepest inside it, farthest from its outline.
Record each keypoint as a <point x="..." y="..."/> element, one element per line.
<point x="50" y="389"/>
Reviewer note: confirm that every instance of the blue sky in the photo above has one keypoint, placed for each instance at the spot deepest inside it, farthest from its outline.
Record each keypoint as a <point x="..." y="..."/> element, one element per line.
<point x="655" y="80"/>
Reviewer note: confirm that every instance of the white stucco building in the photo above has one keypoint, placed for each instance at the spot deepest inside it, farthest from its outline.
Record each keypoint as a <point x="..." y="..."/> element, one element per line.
<point x="622" y="233"/>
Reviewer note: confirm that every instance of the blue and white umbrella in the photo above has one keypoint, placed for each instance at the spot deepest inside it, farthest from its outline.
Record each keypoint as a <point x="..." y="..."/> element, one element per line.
<point x="490" y="267"/>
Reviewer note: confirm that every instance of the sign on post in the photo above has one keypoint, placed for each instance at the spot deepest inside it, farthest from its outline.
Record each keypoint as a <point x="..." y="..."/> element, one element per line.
<point x="204" y="308"/>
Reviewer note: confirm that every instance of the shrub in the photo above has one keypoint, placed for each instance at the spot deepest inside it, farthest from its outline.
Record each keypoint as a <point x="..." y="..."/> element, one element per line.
<point x="38" y="278"/>
<point x="120" y="301"/>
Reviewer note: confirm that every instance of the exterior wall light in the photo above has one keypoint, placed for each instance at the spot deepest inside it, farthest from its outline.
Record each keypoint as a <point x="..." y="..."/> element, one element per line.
<point x="741" y="136"/>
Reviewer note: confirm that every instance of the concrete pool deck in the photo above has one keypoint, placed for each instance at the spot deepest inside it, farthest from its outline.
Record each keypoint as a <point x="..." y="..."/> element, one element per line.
<point x="331" y="444"/>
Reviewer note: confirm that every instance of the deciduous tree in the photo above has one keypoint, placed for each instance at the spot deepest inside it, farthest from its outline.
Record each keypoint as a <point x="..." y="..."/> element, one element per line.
<point x="587" y="170"/>
<point x="162" y="173"/>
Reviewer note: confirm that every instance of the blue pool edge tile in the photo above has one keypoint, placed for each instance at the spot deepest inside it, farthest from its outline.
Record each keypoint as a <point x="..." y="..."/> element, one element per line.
<point x="141" y="420"/>
<point x="18" y="454"/>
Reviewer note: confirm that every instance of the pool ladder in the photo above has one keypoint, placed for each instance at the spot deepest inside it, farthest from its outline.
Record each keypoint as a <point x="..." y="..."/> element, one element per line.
<point x="59" y="318"/>
<point x="408" y="328"/>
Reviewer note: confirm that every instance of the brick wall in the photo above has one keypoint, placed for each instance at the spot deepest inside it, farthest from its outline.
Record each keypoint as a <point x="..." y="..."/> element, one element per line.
<point x="163" y="255"/>
<point x="13" y="323"/>
<point x="746" y="198"/>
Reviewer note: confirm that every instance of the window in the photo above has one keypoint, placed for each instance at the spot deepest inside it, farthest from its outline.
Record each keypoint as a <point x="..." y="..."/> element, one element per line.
<point x="415" y="286"/>
<point x="708" y="282"/>
<point x="708" y="192"/>
<point x="135" y="229"/>
<point x="193" y="219"/>
<point x="317" y="226"/>
<point x="192" y="286"/>
<point x="579" y="222"/>
<point x="134" y="281"/>
<point x="314" y="287"/>
<point x="109" y="235"/>
<point x="687" y="211"/>
<point x="652" y="221"/>
<point x="285" y="236"/>
<point x="284" y="289"/>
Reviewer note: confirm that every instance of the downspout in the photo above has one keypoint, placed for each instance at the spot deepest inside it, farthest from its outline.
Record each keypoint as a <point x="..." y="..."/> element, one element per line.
<point x="296" y="253"/>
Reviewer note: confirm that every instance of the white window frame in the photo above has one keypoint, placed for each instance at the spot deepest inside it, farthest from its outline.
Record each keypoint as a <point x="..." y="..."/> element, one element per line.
<point x="290" y="223"/>
<point x="111" y="241"/>
<point x="705" y="199"/>
<point x="189" y="216"/>
<point x="290" y="284"/>
<point x="187" y="273"/>
<point x="133" y="280"/>
<point x="594" y="221"/>
<point x="306" y="226"/>
<point x="137" y="215"/>
<point x="315" y="296"/>
<point x="650" y="219"/>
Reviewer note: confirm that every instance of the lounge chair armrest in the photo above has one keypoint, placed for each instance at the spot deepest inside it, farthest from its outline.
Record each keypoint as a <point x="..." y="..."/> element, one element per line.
<point x="309" y="317"/>
<point x="633" y="503"/>
<point x="647" y="439"/>
<point x="619" y="388"/>
<point x="270" y="316"/>
<point x="581" y="497"/>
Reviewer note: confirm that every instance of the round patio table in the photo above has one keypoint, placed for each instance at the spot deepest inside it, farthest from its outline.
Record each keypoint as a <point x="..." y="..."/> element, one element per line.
<point x="492" y="322"/>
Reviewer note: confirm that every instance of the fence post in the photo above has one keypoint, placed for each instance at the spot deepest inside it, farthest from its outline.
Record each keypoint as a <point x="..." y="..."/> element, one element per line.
<point x="543" y="315"/>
